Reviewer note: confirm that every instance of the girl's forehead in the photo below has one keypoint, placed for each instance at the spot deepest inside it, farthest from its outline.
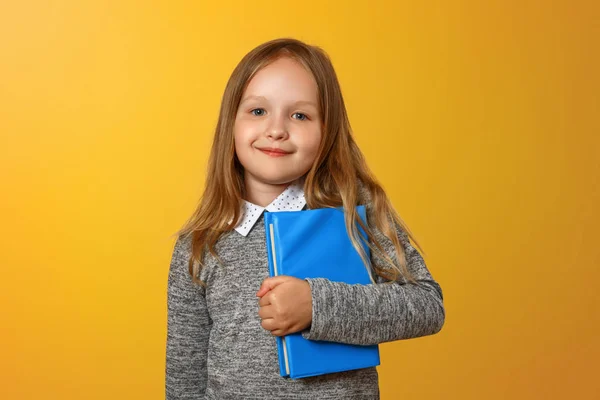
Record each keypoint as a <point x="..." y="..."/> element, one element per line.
<point x="284" y="77"/>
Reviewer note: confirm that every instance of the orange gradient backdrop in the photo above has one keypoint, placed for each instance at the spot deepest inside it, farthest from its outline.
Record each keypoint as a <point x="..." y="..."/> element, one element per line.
<point x="480" y="119"/>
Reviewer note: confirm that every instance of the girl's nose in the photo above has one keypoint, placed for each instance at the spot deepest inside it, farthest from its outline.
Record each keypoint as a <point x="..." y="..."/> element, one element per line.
<point x="277" y="134"/>
<point x="277" y="130"/>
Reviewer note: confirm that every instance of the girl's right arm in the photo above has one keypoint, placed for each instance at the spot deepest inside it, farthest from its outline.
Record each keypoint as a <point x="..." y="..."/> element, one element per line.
<point x="188" y="329"/>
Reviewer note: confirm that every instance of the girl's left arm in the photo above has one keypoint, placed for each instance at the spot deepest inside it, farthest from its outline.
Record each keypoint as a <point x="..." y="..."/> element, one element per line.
<point x="381" y="312"/>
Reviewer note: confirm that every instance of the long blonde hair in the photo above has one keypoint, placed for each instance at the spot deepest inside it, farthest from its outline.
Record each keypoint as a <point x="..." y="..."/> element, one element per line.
<point x="337" y="178"/>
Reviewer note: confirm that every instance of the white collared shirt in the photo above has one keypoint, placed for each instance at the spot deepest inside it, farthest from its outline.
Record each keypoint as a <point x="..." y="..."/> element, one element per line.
<point x="291" y="199"/>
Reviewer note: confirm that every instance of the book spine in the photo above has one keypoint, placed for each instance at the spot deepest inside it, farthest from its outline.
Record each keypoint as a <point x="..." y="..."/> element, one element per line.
<point x="284" y="367"/>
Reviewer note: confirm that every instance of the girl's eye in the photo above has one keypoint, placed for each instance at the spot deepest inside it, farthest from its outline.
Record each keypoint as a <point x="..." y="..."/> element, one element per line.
<point x="262" y="112"/>
<point x="302" y="116"/>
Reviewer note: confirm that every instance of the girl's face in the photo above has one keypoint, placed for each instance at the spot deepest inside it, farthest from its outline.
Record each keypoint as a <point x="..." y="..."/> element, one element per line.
<point x="277" y="128"/>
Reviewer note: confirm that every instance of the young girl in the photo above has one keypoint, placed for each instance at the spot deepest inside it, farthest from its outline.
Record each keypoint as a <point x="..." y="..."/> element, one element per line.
<point x="283" y="143"/>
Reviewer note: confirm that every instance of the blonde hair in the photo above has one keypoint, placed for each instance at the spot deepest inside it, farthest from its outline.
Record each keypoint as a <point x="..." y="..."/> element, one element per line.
<point x="337" y="178"/>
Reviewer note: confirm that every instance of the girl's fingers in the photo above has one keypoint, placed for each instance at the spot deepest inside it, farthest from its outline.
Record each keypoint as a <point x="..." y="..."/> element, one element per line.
<point x="264" y="301"/>
<point x="266" y="312"/>
<point x="262" y="291"/>
<point x="271" y="283"/>
<point x="268" y="324"/>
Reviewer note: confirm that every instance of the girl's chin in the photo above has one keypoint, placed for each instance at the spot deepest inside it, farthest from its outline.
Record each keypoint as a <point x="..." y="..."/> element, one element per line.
<point x="267" y="179"/>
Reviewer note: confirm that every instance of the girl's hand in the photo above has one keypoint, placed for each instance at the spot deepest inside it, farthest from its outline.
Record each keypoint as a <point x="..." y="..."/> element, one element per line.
<point x="285" y="305"/>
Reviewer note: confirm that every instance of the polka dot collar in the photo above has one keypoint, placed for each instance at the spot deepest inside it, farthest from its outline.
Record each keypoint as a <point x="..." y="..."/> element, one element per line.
<point x="292" y="199"/>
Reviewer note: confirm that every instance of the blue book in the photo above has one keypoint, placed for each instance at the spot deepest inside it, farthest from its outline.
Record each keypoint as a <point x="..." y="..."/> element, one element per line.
<point x="315" y="244"/>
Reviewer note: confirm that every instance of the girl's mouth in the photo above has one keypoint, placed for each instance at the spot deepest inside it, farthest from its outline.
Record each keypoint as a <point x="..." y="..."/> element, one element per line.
<point x="273" y="152"/>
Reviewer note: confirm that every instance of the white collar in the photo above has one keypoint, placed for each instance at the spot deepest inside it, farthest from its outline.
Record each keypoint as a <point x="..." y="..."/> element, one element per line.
<point x="291" y="199"/>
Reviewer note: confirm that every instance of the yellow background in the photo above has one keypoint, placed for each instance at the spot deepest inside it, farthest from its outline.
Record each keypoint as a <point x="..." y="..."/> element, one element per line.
<point x="480" y="118"/>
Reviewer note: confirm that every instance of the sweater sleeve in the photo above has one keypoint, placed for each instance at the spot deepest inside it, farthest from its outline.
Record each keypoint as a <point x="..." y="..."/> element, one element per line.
<point x="188" y="328"/>
<point x="380" y="312"/>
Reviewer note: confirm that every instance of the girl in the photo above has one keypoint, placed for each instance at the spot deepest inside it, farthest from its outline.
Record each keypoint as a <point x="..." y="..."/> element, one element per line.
<point x="283" y="143"/>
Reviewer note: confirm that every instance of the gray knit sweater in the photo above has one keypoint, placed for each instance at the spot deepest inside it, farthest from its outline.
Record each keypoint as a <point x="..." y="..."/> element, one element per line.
<point x="217" y="349"/>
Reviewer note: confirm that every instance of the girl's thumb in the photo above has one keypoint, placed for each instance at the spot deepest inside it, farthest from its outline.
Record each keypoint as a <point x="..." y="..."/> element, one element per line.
<point x="269" y="284"/>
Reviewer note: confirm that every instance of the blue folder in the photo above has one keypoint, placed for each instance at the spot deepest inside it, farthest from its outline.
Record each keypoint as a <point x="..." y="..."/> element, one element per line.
<point x="315" y="244"/>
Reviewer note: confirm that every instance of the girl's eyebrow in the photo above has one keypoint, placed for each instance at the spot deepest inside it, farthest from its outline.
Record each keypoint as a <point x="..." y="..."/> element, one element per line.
<point x="299" y="102"/>
<point x="306" y="102"/>
<point x="253" y="98"/>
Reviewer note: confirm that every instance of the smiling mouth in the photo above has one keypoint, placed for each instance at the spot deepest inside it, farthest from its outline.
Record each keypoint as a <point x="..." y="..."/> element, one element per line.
<point x="274" y="152"/>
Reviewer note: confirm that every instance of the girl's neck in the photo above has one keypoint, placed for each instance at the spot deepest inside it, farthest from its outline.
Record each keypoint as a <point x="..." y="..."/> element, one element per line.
<point x="261" y="193"/>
